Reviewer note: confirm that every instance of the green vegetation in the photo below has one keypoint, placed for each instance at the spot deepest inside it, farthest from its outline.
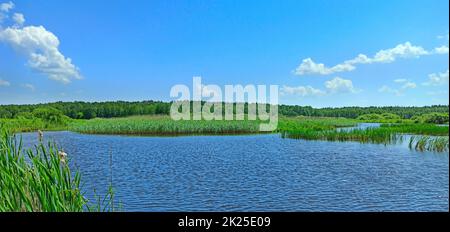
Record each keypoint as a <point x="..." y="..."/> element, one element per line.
<point x="386" y="134"/>
<point x="314" y="124"/>
<point x="369" y="135"/>
<point x="436" y="118"/>
<point x="427" y="143"/>
<point x="385" y="117"/>
<point x="40" y="180"/>
<point x="355" y="112"/>
<point x="85" y="110"/>
<point x="39" y="119"/>
<point x="417" y="129"/>
<point x="162" y="125"/>
<point x="151" y="118"/>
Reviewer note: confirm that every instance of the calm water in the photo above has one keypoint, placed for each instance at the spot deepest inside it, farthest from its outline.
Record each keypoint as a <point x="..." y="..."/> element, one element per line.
<point x="257" y="173"/>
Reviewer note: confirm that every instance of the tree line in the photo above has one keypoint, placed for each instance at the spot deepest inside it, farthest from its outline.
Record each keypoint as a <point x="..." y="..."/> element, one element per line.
<point x="89" y="110"/>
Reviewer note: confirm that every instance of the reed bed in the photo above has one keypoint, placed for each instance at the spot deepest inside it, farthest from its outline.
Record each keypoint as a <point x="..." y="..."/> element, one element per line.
<point x="429" y="143"/>
<point x="40" y="180"/>
<point x="313" y="123"/>
<point x="382" y="135"/>
<point x="418" y="129"/>
<point x="162" y="126"/>
<point x="30" y="125"/>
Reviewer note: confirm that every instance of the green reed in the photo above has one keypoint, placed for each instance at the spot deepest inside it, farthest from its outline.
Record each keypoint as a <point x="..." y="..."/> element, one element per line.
<point x="418" y="129"/>
<point x="428" y="143"/>
<point x="40" y="180"/>
<point x="163" y="126"/>
<point x="382" y="135"/>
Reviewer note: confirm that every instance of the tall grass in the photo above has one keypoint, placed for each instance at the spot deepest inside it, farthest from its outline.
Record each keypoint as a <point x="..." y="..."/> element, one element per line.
<point x="382" y="135"/>
<point x="417" y="129"/>
<point x="40" y="180"/>
<point x="162" y="125"/>
<point x="369" y="135"/>
<point x="30" y="125"/>
<point x="427" y="143"/>
<point x="313" y="123"/>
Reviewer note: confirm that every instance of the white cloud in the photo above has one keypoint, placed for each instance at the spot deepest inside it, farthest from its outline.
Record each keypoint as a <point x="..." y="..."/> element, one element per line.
<point x="302" y="91"/>
<point x="334" y="86"/>
<point x="409" y="85"/>
<point x="19" y="19"/>
<point x="387" y="89"/>
<point x="41" y="48"/>
<point x="441" y="50"/>
<point x="339" y="85"/>
<point x="4" y="83"/>
<point x="435" y="79"/>
<point x="29" y="86"/>
<point x="308" y="66"/>
<point x="401" y="80"/>
<point x="401" y="90"/>
<point x="405" y="50"/>
<point x="6" y="7"/>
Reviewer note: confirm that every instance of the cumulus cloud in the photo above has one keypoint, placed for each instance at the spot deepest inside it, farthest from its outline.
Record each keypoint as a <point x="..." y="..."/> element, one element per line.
<point x="441" y="50"/>
<point x="334" y="86"/>
<point x="19" y="19"/>
<point x="4" y="83"/>
<point x="7" y="6"/>
<point x="308" y="66"/>
<point x="401" y="80"/>
<point x="405" y="50"/>
<point x="409" y="85"/>
<point x="29" y="86"/>
<point x="4" y="9"/>
<point x="406" y="84"/>
<point x="40" y="47"/>
<point x="339" y="85"/>
<point x="302" y="91"/>
<point x="436" y="79"/>
<point x="387" y="89"/>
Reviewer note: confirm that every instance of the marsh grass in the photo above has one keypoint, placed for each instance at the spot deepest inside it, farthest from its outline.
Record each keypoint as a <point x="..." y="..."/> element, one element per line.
<point x="382" y="135"/>
<point x="30" y="125"/>
<point x="428" y="143"/>
<point x="40" y="180"/>
<point x="418" y="129"/>
<point x="163" y="125"/>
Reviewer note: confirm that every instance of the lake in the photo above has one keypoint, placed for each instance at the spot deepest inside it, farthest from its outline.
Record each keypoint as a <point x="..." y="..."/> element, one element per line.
<point x="256" y="173"/>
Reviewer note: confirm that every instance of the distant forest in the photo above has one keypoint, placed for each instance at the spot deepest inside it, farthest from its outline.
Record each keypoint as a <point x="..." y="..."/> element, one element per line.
<point x="86" y="110"/>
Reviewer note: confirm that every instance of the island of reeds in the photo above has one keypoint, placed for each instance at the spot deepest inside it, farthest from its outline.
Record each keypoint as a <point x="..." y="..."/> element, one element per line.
<point x="427" y="127"/>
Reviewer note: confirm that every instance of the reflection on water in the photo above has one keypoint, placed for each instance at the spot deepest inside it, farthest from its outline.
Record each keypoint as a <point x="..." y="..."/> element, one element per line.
<point x="257" y="173"/>
<point x="361" y="126"/>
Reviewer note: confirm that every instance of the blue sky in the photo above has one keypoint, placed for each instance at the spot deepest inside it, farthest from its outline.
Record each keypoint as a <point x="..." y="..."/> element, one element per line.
<point x="137" y="50"/>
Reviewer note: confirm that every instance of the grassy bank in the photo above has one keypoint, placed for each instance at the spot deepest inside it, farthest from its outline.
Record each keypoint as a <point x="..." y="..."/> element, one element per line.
<point x="40" y="180"/>
<point x="31" y="124"/>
